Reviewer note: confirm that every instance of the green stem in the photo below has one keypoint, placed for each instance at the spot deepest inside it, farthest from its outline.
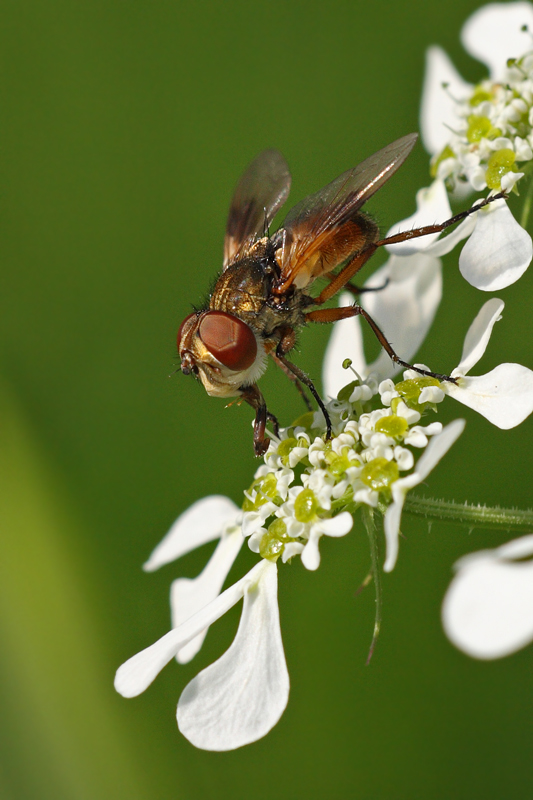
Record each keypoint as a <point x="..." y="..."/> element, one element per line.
<point x="527" y="205"/>
<point x="510" y="519"/>
<point x="370" y="525"/>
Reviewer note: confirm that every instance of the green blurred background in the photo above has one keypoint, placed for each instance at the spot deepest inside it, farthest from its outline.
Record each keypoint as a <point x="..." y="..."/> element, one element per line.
<point x="125" y="128"/>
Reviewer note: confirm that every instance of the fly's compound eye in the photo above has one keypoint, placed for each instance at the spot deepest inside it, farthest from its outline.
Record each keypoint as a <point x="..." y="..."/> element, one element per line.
<point x="229" y="339"/>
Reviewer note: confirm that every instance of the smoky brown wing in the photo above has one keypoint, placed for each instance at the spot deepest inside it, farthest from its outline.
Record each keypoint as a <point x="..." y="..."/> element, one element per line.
<point x="260" y="193"/>
<point x="312" y="227"/>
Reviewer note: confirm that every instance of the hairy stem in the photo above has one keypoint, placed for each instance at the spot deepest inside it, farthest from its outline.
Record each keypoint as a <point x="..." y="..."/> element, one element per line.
<point x="370" y="525"/>
<point x="509" y="519"/>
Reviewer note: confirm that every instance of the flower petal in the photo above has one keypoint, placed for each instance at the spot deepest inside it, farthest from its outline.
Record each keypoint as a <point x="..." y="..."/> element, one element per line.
<point x="187" y="596"/>
<point x="494" y="34"/>
<point x="405" y="309"/>
<point x="438" y="107"/>
<point x="488" y="609"/>
<point x="498" y="252"/>
<point x="201" y="523"/>
<point x="504" y="396"/>
<point x="345" y="341"/>
<point x="431" y="206"/>
<point x="240" y="697"/>
<point x="436" y="449"/>
<point x="478" y="335"/>
<point x="136" y="674"/>
<point x="392" y="519"/>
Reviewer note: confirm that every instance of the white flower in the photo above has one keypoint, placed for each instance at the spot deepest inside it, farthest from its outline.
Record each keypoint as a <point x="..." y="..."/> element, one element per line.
<point x="478" y="136"/>
<point x="488" y="609"/>
<point x="240" y="697"/>
<point x="404" y="310"/>
<point x="208" y="519"/>
<point x="436" y="449"/>
<point x="505" y="394"/>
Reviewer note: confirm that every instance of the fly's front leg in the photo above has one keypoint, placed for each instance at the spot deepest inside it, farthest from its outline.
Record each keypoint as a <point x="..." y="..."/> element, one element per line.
<point x="290" y="375"/>
<point x="254" y="398"/>
<point x="428" y="229"/>
<point x="286" y="343"/>
<point x="336" y="314"/>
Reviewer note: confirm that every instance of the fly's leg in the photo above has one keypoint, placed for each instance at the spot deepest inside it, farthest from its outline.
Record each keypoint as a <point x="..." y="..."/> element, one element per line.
<point x="292" y="377"/>
<point x="336" y="314"/>
<point x="255" y="399"/>
<point x="427" y="229"/>
<point x="359" y="259"/>
<point x="286" y="344"/>
<point x="357" y="290"/>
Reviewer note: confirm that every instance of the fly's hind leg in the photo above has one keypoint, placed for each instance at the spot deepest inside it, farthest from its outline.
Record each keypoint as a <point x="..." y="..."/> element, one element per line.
<point x="336" y="314"/>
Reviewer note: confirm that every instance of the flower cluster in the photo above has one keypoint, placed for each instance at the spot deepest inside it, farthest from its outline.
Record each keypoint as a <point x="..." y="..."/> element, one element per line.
<point x="308" y="487"/>
<point x="480" y="138"/>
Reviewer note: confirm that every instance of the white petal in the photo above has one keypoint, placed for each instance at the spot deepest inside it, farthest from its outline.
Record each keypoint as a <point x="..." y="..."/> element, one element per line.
<point x="201" y="523"/>
<point x="405" y="309"/>
<point x="240" y="697"/>
<point x="345" y="341"/>
<point x="187" y="596"/>
<point x="438" y="108"/>
<point x="488" y="609"/>
<point x="478" y="335"/>
<point x="392" y="531"/>
<point x="336" y="526"/>
<point x="431" y="206"/>
<point x="136" y="674"/>
<point x="498" y="252"/>
<point x="504" y="396"/>
<point x="493" y="34"/>
<point x="436" y="449"/>
<point x="311" y="553"/>
<point x="517" y="548"/>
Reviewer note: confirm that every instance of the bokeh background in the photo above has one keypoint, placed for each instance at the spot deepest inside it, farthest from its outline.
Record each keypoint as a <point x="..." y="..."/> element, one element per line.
<point x="125" y="128"/>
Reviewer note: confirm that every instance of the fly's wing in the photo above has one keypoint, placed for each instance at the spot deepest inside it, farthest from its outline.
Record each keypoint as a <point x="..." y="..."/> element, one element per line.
<point x="260" y="193"/>
<point x="322" y="231"/>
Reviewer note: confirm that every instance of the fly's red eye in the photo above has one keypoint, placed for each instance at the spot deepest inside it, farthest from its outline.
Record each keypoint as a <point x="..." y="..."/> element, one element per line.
<point x="182" y="328"/>
<point x="228" y="339"/>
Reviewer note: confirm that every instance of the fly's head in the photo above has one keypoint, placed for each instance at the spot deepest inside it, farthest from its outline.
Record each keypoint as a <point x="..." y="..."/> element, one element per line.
<point x="221" y="350"/>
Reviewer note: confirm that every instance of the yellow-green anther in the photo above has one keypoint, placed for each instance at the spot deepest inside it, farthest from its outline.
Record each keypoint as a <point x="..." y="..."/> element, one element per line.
<point x="338" y="465"/>
<point x="347" y="363"/>
<point x="379" y="474"/>
<point x="478" y="128"/>
<point x="285" y="447"/>
<point x="392" y="426"/>
<point x="274" y="540"/>
<point x="443" y="155"/>
<point x="278" y="528"/>
<point x="265" y="488"/>
<point x="499" y="164"/>
<point x="480" y="96"/>
<point x="306" y="506"/>
<point x="270" y="547"/>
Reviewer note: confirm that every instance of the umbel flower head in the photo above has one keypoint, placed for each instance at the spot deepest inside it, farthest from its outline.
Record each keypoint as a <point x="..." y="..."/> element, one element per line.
<point x="481" y="139"/>
<point x="306" y="489"/>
